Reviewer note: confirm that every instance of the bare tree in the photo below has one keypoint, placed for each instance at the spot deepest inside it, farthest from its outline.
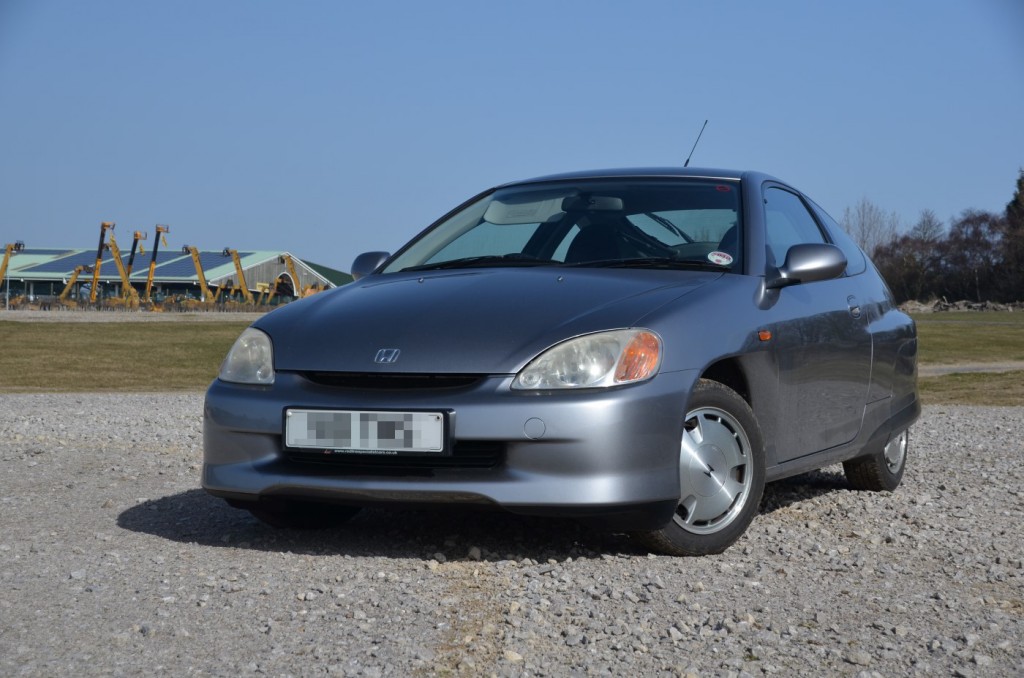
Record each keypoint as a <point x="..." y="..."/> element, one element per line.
<point x="869" y="225"/>
<point x="928" y="227"/>
<point x="979" y="257"/>
<point x="971" y="257"/>
<point x="912" y="263"/>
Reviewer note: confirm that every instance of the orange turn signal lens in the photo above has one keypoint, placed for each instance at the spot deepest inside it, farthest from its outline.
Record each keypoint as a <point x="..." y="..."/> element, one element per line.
<point x="640" y="359"/>
<point x="764" y="335"/>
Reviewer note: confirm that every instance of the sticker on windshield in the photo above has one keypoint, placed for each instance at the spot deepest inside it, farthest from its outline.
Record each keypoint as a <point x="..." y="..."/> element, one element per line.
<point x="720" y="258"/>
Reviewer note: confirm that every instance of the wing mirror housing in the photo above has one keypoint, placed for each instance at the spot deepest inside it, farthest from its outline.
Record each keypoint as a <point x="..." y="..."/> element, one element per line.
<point x="368" y="262"/>
<point x="808" y="263"/>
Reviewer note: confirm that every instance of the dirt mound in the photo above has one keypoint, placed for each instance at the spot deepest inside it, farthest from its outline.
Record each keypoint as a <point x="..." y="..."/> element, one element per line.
<point x="941" y="305"/>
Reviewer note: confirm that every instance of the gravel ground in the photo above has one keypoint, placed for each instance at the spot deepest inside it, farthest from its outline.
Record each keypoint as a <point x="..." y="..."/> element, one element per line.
<point x="113" y="562"/>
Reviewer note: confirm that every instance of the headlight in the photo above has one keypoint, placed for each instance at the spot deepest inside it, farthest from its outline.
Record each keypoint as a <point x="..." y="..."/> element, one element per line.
<point x="250" y="360"/>
<point x="594" y="361"/>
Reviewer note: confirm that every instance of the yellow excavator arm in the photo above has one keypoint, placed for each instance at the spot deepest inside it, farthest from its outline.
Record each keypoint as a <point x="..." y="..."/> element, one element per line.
<point x="139" y="235"/>
<point x="9" y="251"/>
<point x="160" y="230"/>
<point x="299" y="290"/>
<point x="71" y="283"/>
<point x="296" y="283"/>
<point x="104" y="227"/>
<point x="208" y="298"/>
<point x="128" y="292"/>
<point x="241" y="274"/>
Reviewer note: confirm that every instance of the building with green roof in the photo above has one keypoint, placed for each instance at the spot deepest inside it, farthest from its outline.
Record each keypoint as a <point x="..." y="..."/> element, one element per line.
<point x="44" y="273"/>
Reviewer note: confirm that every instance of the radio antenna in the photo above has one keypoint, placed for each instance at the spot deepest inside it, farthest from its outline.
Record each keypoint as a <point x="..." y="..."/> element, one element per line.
<point x="687" y="163"/>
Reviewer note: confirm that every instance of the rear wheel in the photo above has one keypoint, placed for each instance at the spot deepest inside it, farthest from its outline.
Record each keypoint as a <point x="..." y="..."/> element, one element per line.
<point x="721" y="475"/>
<point x="296" y="513"/>
<point x="882" y="471"/>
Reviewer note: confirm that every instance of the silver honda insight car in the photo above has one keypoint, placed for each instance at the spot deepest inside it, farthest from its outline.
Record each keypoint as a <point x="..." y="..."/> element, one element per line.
<point x="644" y="349"/>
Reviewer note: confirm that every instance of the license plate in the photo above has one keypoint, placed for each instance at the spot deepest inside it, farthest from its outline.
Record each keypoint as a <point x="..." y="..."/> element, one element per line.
<point x="366" y="432"/>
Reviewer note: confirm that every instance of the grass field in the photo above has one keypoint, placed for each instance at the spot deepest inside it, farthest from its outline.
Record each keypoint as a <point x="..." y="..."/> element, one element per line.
<point x="129" y="356"/>
<point x="957" y="338"/>
<point x="185" y="356"/>
<point x="960" y="338"/>
<point x="976" y="388"/>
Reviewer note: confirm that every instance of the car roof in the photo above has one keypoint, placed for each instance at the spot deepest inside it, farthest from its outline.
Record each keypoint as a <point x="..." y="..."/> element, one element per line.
<point x="635" y="172"/>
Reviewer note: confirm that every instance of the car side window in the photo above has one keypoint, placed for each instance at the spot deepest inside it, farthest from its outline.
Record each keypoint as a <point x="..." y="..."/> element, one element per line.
<point x="787" y="223"/>
<point x="855" y="262"/>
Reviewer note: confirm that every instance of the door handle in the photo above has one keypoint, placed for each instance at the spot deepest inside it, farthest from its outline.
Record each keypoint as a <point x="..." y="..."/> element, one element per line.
<point x="854" y="306"/>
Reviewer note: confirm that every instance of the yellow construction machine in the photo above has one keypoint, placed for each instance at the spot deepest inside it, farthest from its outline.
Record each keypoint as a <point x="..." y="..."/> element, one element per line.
<point x="62" y="300"/>
<point x="129" y="297"/>
<point x="208" y="299"/>
<point x="139" y="235"/>
<point x="160" y="230"/>
<point x="274" y="287"/>
<point x="265" y="293"/>
<point x="242" y="285"/>
<point x="298" y="291"/>
<point x="104" y="227"/>
<point x="9" y="251"/>
<point x="286" y="259"/>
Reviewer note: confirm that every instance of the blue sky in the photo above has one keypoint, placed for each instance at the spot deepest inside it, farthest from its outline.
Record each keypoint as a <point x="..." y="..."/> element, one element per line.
<point x="332" y="128"/>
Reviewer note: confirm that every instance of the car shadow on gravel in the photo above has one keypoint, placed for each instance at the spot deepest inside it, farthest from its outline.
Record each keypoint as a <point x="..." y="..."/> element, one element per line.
<point x="195" y="517"/>
<point x="804" y="487"/>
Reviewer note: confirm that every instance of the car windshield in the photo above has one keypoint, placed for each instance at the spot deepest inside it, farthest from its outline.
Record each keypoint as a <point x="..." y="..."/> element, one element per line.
<point x="634" y="223"/>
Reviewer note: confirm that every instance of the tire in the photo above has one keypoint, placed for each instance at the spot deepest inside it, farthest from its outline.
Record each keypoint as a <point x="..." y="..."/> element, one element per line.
<point x="297" y="514"/>
<point x="881" y="471"/>
<point x="721" y="475"/>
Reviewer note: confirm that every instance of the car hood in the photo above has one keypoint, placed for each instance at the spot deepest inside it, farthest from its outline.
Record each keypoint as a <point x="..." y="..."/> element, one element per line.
<point x="490" y="321"/>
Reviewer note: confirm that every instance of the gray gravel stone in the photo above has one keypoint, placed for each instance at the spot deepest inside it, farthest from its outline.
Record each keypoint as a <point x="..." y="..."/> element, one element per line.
<point x="113" y="561"/>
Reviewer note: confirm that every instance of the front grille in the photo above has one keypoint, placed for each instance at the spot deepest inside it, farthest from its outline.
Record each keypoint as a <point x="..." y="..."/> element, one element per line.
<point x="465" y="455"/>
<point x="393" y="382"/>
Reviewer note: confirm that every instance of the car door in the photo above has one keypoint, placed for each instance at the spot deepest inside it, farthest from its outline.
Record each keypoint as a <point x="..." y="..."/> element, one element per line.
<point x="820" y="339"/>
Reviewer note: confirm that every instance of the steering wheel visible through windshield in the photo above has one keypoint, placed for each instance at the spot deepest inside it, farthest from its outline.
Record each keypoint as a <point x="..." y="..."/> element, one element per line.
<point x="643" y="223"/>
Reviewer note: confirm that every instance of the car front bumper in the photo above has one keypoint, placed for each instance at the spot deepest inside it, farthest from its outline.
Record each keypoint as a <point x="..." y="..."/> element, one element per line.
<point x="609" y="454"/>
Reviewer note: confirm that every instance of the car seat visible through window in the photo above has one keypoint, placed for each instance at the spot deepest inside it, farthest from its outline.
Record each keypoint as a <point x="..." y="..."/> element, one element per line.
<point x="730" y="242"/>
<point x="596" y="242"/>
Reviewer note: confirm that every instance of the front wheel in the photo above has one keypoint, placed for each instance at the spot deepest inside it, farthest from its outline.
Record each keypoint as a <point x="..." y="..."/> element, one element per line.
<point x="721" y="475"/>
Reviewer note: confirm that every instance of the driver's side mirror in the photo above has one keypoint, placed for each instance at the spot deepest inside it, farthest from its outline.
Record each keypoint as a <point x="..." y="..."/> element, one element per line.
<point x="368" y="262"/>
<point x="806" y="263"/>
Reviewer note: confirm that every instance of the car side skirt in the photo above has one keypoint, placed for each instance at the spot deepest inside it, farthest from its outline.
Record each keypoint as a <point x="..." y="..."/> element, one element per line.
<point x="872" y="440"/>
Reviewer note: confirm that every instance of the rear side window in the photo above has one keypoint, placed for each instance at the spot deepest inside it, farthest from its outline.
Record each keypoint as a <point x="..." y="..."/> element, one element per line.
<point x="855" y="260"/>
<point x="787" y="223"/>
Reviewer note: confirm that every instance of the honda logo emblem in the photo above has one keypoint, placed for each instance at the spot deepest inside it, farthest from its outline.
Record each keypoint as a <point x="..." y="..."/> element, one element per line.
<point x="387" y="356"/>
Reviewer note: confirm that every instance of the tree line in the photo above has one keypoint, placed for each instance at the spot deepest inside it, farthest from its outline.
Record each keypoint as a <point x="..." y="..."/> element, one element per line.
<point x="979" y="257"/>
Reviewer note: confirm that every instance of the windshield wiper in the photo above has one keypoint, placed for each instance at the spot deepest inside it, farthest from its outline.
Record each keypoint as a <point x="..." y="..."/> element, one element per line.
<point x="487" y="260"/>
<point x="654" y="262"/>
<point x="669" y="225"/>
